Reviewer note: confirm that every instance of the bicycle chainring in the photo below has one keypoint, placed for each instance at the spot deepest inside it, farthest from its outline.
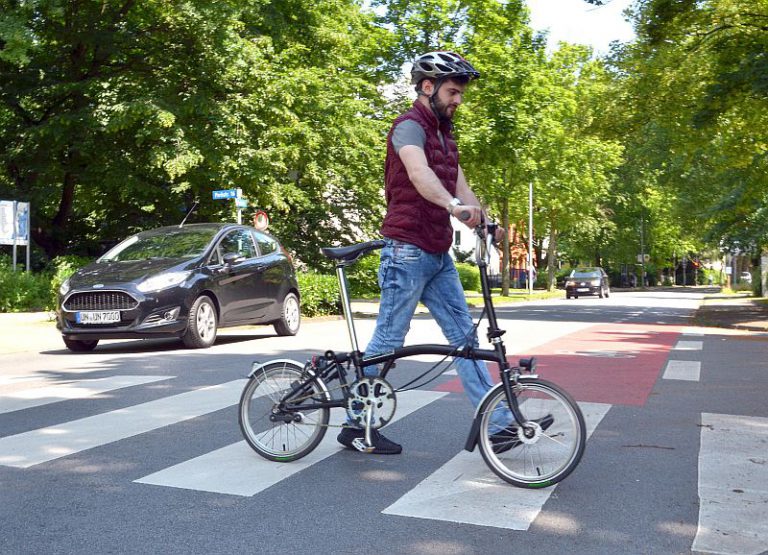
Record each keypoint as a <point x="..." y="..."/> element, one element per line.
<point x="371" y="394"/>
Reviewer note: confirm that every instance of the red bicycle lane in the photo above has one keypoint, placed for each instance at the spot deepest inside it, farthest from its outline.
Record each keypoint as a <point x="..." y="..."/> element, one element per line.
<point x="606" y="363"/>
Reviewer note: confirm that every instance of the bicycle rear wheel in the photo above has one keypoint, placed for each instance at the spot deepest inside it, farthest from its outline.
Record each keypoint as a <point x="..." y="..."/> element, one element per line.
<point x="280" y="435"/>
<point x="543" y="454"/>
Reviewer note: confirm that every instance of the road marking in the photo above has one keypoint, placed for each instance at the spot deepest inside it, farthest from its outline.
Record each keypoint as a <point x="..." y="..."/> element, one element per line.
<point x="238" y="470"/>
<point x="688" y="346"/>
<point x="46" y="444"/>
<point x="733" y="485"/>
<point x="464" y="490"/>
<point x="682" y="370"/>
<point x="693" y="332"/>
<point x="27" y="394"/>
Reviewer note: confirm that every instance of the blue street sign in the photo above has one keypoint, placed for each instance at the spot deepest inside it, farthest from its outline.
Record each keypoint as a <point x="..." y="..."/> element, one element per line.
<point x="224" y="194"/>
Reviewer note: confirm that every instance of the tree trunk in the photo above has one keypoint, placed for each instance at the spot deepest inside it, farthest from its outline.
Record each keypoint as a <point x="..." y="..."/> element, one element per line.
<point x="506" y="265"/>
<point x="53" y="237"/>
<point x="551" y="258"/>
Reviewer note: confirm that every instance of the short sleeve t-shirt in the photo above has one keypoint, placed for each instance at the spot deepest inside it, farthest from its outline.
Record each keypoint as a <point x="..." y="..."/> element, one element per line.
<point x="408" y="132"/>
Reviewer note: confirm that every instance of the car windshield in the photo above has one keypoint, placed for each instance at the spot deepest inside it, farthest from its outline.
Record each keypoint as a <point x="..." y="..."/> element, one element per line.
<point x="175" y="243"/>
<point x="585" y="274"/>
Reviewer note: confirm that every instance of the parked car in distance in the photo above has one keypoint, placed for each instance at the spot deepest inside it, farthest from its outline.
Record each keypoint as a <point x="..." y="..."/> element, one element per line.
<point x="587" y="281"/>
<point x="184" y="282"/>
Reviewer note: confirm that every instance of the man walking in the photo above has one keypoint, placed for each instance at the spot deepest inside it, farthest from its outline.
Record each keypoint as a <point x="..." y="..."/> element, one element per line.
<point x="424" y="186"/>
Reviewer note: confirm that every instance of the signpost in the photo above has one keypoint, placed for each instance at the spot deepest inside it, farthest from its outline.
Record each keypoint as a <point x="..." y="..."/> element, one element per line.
<point x="237" y="195"/>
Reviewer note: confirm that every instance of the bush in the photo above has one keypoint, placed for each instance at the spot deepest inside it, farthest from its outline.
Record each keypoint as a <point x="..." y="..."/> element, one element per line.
<point x="362" y="278"/>
<point x="22" y="291"/>
<point x="61" y="268"/>
<point x="319" y="294"/>
<point x="469" y="276"/>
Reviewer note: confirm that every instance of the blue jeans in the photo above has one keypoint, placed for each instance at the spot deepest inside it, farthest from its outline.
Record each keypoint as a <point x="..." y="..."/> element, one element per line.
<point x="407" y="275"/>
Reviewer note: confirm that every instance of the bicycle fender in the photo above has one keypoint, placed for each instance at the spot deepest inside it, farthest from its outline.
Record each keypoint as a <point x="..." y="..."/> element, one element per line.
<point x="474" y="432"/>
<point x="259" y="365"/>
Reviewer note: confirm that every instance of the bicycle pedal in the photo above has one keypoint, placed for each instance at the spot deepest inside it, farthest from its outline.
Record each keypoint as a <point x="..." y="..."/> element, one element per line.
<point x="359" y="444"/>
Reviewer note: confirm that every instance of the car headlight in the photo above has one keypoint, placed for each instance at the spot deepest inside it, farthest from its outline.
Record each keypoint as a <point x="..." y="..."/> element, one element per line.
<point x="64" y="287"/>
<point x="595" y="282"/>
<point x="163" y="281"/>
<point x="570" y="283"/>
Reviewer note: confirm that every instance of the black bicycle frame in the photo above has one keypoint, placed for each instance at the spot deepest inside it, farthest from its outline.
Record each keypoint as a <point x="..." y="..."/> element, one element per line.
<point x="335" y="362"/>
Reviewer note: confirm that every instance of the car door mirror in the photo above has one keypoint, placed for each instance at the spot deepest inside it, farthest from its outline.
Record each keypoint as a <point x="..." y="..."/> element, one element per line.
<point x="232" y="258"/>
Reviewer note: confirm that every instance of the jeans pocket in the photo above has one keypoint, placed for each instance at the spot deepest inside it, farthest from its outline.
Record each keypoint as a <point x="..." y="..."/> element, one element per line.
<point x="404" y="252"/>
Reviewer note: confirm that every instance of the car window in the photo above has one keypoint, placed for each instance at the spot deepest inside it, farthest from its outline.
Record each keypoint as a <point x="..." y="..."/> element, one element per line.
<point x="584" y="274"/>
<point x="177" y="243"/>
<point x="239" y="242"/>
<point x="267" y="244"/>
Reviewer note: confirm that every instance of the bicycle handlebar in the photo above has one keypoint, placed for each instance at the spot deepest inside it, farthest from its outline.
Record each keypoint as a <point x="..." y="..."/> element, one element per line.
<point x="483" y="228"/>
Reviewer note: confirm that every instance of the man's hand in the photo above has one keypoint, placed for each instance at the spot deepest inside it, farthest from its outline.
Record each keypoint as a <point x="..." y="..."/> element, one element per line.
<point x="475" y="215"/>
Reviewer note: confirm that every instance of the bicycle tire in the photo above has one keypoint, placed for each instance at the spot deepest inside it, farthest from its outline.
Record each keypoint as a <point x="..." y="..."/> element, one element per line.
<point x="551" y="453"/>
<point x="280" y="441"/>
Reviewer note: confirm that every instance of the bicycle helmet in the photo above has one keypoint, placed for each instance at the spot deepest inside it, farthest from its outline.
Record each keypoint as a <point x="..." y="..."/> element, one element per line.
<point x="441" y="65"/>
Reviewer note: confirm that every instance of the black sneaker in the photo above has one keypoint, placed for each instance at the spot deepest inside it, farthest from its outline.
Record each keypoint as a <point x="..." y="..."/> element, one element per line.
<point x="507" y="438"/>
<point x="354" y="438"/>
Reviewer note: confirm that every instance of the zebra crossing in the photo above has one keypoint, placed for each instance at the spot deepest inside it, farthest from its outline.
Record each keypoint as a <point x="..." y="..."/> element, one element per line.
<point x="462" y="490"/>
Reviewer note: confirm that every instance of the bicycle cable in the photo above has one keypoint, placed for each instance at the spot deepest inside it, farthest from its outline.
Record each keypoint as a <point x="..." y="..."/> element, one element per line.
<point x="472" y="333"/>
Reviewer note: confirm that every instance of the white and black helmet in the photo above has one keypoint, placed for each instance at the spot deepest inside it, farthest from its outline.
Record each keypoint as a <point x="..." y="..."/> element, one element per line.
<point x="441" y="65"/>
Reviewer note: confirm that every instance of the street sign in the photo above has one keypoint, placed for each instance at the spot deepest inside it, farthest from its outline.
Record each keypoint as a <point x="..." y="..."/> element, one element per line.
<point x="225" y="194"/>
<point x="241" y="202"/>
<point x="260" y="220"/>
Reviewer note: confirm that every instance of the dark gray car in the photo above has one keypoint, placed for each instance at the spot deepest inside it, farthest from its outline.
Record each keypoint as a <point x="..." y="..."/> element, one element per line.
<point x="587" y="281"/>
<point x="181" y="282"/>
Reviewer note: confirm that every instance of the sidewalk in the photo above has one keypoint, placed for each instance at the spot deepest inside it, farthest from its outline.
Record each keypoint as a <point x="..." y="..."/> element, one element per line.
<point x="733" y="311"/>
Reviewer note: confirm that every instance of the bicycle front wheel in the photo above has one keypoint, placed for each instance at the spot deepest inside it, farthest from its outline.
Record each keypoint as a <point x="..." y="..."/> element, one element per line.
<point x="545" y="451"/>
<point x="282" y="435"/>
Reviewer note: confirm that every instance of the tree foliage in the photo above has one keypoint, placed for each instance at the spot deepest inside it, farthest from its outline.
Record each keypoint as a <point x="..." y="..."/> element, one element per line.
<point x="118" y="115"/>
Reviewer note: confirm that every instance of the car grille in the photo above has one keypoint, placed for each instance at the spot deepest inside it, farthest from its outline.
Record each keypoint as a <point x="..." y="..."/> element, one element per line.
<point x="100" y="300"/>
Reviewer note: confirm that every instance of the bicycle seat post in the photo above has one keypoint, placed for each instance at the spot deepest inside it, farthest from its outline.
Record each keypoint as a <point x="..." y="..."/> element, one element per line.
<point x="347" y="307"/>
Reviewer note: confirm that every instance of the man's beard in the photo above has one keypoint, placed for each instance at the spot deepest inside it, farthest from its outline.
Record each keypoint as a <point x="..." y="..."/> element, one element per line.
<point x="441" y="109"/>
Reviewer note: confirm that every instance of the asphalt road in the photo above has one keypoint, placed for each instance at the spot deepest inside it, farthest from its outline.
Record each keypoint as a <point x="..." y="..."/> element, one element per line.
<point x="135" y="448"/>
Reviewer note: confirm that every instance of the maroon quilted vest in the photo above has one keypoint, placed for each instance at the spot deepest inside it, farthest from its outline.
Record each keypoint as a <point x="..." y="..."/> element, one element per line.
<point x="410" y="217"/>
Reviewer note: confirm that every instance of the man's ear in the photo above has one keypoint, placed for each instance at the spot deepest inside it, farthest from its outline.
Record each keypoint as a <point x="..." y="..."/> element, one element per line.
<point x="428" y="87"/>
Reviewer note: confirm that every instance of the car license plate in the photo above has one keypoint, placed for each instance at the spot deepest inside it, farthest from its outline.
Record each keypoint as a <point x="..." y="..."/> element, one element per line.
<point x="582" y="289"/>
<point x="101" y="317"/>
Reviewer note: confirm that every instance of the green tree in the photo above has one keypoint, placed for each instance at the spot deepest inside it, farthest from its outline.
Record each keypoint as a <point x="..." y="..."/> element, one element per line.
<point x="116" y="116"/>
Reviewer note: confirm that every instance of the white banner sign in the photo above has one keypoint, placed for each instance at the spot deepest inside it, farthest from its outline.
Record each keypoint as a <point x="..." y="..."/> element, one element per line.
<point x="22" y="223"/>
<point x="7" y="221"/>
<point x="14" y="222"/>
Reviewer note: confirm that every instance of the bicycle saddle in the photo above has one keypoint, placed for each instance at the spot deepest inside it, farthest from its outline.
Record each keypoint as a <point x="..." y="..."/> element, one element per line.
<point x="349" y="254"/>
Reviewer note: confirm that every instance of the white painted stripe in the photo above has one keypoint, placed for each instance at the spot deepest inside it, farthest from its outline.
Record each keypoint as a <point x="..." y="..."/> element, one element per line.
<point x="693" y="332"/>
<point x="45" y="444"/>
<point x="24" y="395"/>
<point x="688" y="346"/>
<point x="464" y="490"/>
<point x="238" y="470"/>
<point x="683" y="370"/>
<point x="733" y="485"/>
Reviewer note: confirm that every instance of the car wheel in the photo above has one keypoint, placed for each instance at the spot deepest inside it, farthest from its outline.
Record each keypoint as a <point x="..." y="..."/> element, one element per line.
<point x="290" y="317"/>
<point x="567" y="296"/>
<point x="81" y="346"/>
<point x="201" y="327"/>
